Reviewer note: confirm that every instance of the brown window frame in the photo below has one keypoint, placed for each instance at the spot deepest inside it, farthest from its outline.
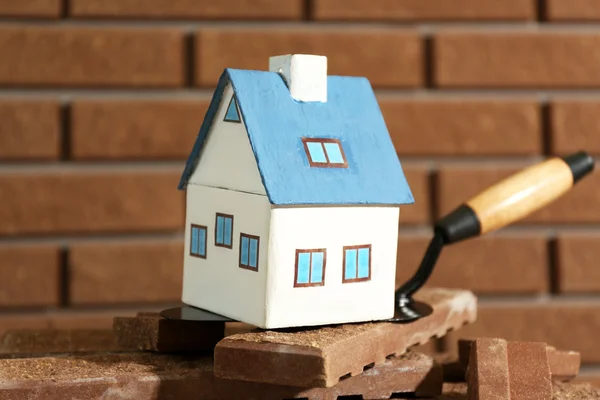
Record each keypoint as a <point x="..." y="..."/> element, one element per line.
<point x="357" y="279"/>
<point x="310" y="284"/>
<point x="205" y="240"/>
<point x="327" y="164"/>
<point x="248" y="267"/>
<point x="216" y="227"/>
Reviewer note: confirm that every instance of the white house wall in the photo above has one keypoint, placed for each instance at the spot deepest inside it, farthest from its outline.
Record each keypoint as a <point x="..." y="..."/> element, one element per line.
<point x="217" y="283"/>
<point x="227" y="160"/>
<point x="331" y="228"/>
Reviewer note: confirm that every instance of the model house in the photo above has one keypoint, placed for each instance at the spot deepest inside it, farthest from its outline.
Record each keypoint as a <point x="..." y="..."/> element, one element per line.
<point x="293" y="198"/>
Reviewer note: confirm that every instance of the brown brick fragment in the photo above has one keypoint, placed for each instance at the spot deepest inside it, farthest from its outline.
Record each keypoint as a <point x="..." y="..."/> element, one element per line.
<point x="564" y="365"/>
<point x="155" y="333"/>
<point x="44" y="341"/>
<point x="189" y="9"/>
<point x="29" y="276"/>
<point x="488" y="371"/>
<point x="512" y="59"/>
<point x="356" y="52"/>
<point x="66" y="319"/>
<point x="574" y="125"/>
<point x="79" y="202"/>
<point x="453" y="127"/>
<point x="30" y="130"/>
<point x="134" y="272"/>
<point x="22" y="321"/>
<point x="577" y="259"/>
<point x="91" y="57"/>
<point x="318" y="357"/>
<point x="126" y="130"/>
<point x="419" y="212"/>
<point x="419" y="10"/>
<point x="529" y="373"/>
<point x="487" y="265"/>
<point x="573" y="10"/>
<point x="150" y="375"/>
<point x="565" y="324"/>
<point x="31" y="8"/>
<point x="459" y="183"/>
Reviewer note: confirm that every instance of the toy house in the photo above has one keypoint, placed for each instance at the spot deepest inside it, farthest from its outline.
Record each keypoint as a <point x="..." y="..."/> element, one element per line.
<point x="293" y="196"/>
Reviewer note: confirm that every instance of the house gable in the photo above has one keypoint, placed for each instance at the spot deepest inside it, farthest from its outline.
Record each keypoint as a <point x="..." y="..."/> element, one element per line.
<point x="227" y="160"/>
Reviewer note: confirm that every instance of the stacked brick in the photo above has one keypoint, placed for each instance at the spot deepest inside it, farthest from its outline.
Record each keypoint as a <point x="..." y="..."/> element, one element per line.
<point x="100" y="101"/>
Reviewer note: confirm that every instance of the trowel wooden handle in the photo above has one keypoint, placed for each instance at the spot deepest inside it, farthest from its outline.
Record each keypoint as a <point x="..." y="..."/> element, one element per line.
<point x="515" y="197"/>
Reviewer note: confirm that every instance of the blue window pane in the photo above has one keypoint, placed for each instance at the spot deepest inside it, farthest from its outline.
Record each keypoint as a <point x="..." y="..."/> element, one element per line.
<point x="303" y="267"/>
<point x="232" y="112"/>
<point x="244" y="250"/>
<point x="317" y="155"/>
<point x="334" y="153"/>
<point x="227" y="233"/>
<point x="363" y="263"/>
<point x="350" y="268"/>
<point x="202" y="242"/>
<point x="317" y="268"/>
<point x="253" y="253"/>
<point x="220" y="230"/>
<point x="195" y="240"/>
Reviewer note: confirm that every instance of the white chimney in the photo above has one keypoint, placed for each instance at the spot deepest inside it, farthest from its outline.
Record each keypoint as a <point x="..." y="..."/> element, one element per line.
<point x="304" y="74"/>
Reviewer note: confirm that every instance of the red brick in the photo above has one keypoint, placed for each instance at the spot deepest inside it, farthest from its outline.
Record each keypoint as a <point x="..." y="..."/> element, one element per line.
<point x="91" y="56"/>
<point x="135" y="129"/>
<point x="80" y="202"/>
<point x="566" y="324"/>
<point x="68" y="319"/>
<point x="31" y="8"/>
<point x="358" y="52"/>
<point x="419" y="10"/>
<point x="453" y="127"/>
<point x="593" y="378"/>
<point x="29" y="130"/>
<point x="134" y="272"/>
<point x="575" y="126"/>
<point x="513" y="59"/>
<point x="23" y="321"/>
<point x="498" y="264"/>
<point x="458" y="184"/>
<point x="577" y="259"/>
<point x="189" y="9"/>
<point x="29" y="276"/>
<point x="573" y="10"/>
<point x="419" y="212"/>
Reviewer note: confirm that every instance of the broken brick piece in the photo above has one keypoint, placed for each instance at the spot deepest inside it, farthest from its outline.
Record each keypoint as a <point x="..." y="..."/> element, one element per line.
<point x="150" y="376"/>
<point x="319" y="357"/>
<point x="501" y="370"/>
<point x="529" y="372"/>
<point x="47" y="341"/>
<point x="488" y="371"/>
<point x="154" y="333"/>
<point x="564" y="365"/>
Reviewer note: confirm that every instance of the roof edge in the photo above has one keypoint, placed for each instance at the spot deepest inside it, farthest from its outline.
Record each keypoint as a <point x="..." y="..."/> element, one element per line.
<point x="190" y="164"/>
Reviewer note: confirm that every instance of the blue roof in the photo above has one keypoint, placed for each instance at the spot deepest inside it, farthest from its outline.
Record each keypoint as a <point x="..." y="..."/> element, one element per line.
<point x="276" y="123"/>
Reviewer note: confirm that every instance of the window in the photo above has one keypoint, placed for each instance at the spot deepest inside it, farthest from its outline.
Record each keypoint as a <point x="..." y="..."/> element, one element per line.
<point x="232" y="114"/>
<point x="198" y="241"/>
<point x="224" y="230"/>
<point x="310" y="267"/>
<point x="357" y="263"/>
<point x="249" y="251"/>
<point x="326" y="153"/>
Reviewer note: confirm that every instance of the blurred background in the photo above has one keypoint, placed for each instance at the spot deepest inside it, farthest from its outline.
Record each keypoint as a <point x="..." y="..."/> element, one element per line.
<point x="101" y="100"/>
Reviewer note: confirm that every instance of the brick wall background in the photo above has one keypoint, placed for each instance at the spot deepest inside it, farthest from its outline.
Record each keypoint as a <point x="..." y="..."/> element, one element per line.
<point x="100" y="102"/>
